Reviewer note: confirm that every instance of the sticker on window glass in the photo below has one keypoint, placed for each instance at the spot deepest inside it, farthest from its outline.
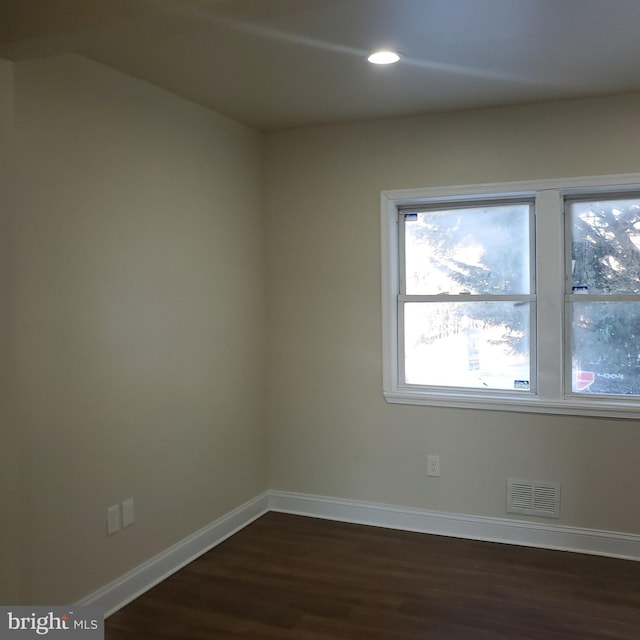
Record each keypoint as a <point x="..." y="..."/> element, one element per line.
<point x="410" y="217"/>
<point x="580" y="289"/>
<point x="521" y="384"/>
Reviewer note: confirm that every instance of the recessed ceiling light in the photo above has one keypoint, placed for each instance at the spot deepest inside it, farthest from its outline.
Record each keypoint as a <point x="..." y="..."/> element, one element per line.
<point x="384" y="57"/>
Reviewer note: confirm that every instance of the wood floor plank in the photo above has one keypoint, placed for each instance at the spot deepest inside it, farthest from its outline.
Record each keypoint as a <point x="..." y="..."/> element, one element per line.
<point x="291" y="577"/>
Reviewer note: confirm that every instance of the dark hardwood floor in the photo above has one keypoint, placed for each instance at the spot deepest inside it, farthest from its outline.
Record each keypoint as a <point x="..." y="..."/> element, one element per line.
<point x="292" y="577"/>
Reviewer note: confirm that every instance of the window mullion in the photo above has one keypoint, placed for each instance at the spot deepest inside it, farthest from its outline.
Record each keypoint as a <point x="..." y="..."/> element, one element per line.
<point x="550" y="269"/>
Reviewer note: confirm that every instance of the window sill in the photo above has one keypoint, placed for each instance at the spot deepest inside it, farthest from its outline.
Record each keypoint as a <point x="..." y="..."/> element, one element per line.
<point x="596" y="407"/>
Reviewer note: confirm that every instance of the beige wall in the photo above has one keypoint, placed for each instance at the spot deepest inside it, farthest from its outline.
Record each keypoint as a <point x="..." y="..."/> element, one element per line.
<point x="139" y="320"/>
<point x="330" y="430"/>
<point x="10" y="463"/>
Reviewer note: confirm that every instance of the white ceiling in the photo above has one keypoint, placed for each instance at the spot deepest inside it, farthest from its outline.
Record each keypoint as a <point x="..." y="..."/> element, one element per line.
<point x="278" y="64"/>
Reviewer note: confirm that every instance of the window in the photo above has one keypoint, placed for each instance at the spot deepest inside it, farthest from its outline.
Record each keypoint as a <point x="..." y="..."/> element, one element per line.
<point x="516" y="296"/>
<point x="466" y="299"/>
<point x="603" y="304"/>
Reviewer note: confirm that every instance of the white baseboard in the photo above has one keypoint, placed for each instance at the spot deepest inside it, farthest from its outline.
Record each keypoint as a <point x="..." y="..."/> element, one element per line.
<point x="123" y="590"/>
<point x="120" y="592"/>
<point x="530" y="534"/>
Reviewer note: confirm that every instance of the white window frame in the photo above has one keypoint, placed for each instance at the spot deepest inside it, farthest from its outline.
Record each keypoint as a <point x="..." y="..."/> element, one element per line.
<point x="551" y="342"/>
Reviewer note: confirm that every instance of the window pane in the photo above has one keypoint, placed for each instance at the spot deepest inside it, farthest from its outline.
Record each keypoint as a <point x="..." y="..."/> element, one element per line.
<point x="606" y="347"/>
<point x="475" y="250"/>
<point x="467" y="344"/>
<point x="605" y="246"/>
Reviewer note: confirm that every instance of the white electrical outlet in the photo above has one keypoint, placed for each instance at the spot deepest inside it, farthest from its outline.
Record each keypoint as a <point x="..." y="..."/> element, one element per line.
<point x="113" y="519"/>
<point x="127" y="513"/>
<point x="433" y="466"/>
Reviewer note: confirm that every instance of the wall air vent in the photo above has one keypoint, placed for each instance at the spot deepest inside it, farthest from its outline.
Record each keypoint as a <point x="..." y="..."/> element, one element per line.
<point x="533" y="498"/>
